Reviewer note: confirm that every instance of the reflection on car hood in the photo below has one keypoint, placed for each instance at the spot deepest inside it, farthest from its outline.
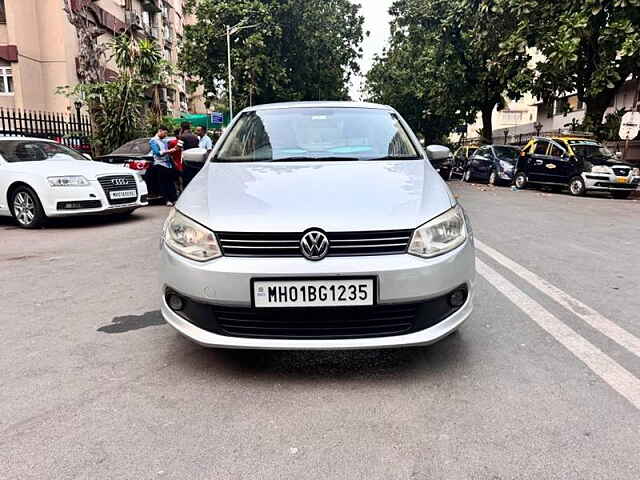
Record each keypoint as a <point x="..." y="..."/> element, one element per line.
<point x="88" y="169"/>
<point x="288" y="197"/>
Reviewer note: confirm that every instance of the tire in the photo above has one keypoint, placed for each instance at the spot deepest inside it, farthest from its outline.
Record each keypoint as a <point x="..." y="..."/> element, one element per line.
<point x="621" y="195"/>
<point x="520" y="181"/>
<point x="467" y="176"/>
<point x="493" y="178"/>
<point x="577" y="187"/>
<point x="26" y="208"/>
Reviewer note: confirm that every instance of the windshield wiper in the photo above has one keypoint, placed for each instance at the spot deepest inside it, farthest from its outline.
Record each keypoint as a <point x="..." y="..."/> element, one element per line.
<point x="395" y="157"/>
<point x="314" y="159"/>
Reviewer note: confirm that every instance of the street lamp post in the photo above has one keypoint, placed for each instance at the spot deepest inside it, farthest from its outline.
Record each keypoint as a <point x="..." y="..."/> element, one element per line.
<point x="231" y="31"/>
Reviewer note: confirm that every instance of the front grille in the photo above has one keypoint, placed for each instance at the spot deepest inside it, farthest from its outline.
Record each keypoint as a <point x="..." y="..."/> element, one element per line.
<point x="340" y="243"/>
<point x="341" y="322"/>
<point x="623" y="186"/>
<point x="79" y="205"/>
<point x="622" y="172"/>
<point x="118" y="183"/>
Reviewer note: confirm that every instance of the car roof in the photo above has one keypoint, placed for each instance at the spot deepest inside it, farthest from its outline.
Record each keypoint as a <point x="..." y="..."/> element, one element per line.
<point x="322" y="104"/>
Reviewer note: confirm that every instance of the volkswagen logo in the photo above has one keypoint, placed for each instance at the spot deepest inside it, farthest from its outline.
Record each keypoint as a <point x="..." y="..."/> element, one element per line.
<point x="314" y="245"/>
<point x="119" y="181"/>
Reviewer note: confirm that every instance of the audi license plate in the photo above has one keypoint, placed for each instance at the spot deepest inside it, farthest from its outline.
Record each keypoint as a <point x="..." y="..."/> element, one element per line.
<point x="118" y="194"/>
<point x="314" y="293"/>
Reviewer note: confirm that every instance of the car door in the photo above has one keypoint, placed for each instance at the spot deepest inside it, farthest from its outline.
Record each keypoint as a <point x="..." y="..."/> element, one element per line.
<point x="4" y="185"/>
<point x="484" y="162"/>
<point x="536" y="161"/>
<point x="559" y="167"/>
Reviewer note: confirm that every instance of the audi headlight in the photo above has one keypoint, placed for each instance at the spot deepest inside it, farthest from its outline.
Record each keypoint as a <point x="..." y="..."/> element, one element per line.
<point x="601" y="169"/>
<point x="190" y="239"/>
<point x="635" y="172"/>
<point x="440" y="235"/>
<point x="506" y="165"/>
<point x="68" y="181"/>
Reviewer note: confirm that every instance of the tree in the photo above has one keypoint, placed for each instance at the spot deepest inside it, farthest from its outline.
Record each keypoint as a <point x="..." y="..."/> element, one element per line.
<point x="300" y="50"/>
<point x="589" y="47"/>
<point x="453" y="50"/>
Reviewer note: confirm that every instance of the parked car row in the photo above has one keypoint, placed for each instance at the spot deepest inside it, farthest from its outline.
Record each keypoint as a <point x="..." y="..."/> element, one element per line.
<point x="578" y="164"/>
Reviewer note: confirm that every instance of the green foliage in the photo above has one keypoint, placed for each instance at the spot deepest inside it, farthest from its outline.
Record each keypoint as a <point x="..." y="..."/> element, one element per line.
<point x="446" y="62"/>
<point x="300" y="50"/>
<point x="119" y="109"/>
<point x="588" y="46"/>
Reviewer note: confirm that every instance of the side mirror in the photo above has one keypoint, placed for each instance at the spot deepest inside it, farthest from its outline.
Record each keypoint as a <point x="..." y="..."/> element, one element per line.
<point x="438" y="152"/>
<point x="87" y="156"/>
<point x="195" y="155"/>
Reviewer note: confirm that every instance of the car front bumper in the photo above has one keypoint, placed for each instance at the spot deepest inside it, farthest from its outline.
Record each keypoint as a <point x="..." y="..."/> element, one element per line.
<point x="606" y="182"/>
<point x="57" y="199"/>
<point x="401" y="279"/>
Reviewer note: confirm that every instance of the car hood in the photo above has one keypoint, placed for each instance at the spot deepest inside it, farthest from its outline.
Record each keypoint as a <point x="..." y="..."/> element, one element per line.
<point x="293" y="197"/>
<point x="88" y="169"/>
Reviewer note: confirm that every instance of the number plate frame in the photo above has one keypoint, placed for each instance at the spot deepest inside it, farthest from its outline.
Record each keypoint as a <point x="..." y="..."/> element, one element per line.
<point x="372" y="278"/>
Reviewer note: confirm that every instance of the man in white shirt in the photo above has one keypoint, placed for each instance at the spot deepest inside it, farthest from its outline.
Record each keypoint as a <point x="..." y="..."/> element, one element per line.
<point x="205" y="140"/>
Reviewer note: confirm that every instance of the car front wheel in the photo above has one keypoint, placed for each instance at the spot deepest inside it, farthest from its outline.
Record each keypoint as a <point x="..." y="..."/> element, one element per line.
<point x="26" y="208"/>
<point x="577" y="187"/>
<point x="520" y="181"/>
<point x="493" y="178"/>
<point x="467" y="177"/>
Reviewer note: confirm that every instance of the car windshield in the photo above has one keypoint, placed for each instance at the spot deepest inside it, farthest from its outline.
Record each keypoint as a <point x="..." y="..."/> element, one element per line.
<point x="590" y="150"/>
<point x="308" y="134"/>
<point x="508" y="154"/>
<point x="37" y="151"/>
<point x="134" y="147"/>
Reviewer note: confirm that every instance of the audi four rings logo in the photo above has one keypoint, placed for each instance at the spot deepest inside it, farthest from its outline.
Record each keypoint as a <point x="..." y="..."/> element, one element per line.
<point x="119" y="181"/>
<point x="314" y="245"/>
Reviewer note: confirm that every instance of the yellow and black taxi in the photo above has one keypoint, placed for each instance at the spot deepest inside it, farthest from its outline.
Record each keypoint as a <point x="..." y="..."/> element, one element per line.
<point x="579" y="164"/>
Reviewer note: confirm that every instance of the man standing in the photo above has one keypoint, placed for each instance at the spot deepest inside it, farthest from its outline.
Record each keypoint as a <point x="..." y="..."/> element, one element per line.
<point x="163" y="169"/>
<point x="205" y="140"/>
<point x="189" y="141"/>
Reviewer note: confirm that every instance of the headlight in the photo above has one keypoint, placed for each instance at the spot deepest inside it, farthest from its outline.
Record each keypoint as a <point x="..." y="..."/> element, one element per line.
<point x="601" y="169"/>
<point x="190" y="239"/>
<point x="440" y="235"/>
<point x="506" y="165"/>
<point x="69" y="181"/>
<point x="635" y="172"/>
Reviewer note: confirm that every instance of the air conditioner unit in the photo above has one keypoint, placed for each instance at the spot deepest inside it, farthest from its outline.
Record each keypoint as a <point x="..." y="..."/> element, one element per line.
<point x="133" y="20"/>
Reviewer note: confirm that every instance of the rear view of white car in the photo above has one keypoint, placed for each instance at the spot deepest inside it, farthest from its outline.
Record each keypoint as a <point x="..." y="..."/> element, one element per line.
<point x="41" y="179"/>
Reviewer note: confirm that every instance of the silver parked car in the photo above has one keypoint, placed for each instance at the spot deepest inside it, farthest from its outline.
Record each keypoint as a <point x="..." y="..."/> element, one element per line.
<point x="318" y="225"/>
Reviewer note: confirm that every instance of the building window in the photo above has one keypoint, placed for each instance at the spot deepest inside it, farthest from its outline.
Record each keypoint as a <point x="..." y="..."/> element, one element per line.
<point x="167" y="54"/>
<point x="3" y="12"/>
<point x="513" y="117"/>
<point x="6" y="79"/>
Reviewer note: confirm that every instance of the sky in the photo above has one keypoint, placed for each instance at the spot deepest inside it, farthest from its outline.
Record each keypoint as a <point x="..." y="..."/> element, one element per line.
<point x="377" y="18"/>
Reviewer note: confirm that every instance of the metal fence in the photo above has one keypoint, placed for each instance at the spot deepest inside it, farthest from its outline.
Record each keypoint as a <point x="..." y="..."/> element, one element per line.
<point x="69" y="129"/>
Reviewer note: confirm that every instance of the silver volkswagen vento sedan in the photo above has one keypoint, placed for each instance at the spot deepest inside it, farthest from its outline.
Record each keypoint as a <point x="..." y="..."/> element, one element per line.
<point x="317" y="225"/>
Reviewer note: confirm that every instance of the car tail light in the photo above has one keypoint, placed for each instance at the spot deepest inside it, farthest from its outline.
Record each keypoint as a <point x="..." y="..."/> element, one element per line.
<point x="138" y="165"/>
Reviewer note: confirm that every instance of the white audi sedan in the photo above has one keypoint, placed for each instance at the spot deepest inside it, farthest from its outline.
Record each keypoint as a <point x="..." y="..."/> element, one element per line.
<point x="318" y="225"/>
<point x="41" y="179"/>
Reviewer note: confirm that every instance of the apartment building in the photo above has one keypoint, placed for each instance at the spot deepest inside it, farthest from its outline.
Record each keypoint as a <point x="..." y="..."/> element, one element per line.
<point x="39" y="48"/>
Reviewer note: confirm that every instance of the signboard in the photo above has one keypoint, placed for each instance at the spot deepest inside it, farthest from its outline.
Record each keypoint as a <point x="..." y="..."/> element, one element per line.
<point x="217" y="117"/>
<point x="630" y="125"/>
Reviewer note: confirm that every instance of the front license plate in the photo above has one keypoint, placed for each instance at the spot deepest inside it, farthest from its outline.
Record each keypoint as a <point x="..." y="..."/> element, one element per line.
<point x="313" y="293"/>
<point x="622" y="180"/>
<point x="117" y="194"/>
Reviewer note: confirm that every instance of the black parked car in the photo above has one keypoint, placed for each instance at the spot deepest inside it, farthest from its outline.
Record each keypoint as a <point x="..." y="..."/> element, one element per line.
<point x="492" y="163"/>
<point x="460" y="160"/>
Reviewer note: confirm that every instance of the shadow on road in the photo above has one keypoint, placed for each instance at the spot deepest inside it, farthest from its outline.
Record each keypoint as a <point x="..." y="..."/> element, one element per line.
<point x="319" y="366"/>
<point x="128" y="323"/>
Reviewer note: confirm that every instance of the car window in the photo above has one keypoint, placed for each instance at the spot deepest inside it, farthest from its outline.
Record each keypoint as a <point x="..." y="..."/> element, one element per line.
<point x="472" y="151"/>
<point x="316" y="133"/>
<point x="591" y="150"/>
<point x="36" y="151"/>
<point x="139" y="146"/>
<point x="556" y="151"/>
<point x="508" y="154"/>
<point x="540" y="148"/>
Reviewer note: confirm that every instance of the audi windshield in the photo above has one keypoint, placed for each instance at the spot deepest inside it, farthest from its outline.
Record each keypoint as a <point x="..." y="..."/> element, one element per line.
<point x="317" y="134"/>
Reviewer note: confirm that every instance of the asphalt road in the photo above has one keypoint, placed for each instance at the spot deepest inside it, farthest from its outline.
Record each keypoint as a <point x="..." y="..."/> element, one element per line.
<point x="542" y="383"/>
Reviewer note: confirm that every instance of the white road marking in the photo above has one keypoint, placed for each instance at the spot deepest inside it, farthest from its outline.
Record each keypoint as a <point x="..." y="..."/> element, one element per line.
<point x="587" y="314"/>
<point x="620" y="379"/>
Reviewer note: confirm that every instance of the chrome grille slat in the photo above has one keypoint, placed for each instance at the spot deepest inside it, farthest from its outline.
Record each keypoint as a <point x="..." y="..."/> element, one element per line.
<point x="128" y="182"/>
<point x="287" y="244"/>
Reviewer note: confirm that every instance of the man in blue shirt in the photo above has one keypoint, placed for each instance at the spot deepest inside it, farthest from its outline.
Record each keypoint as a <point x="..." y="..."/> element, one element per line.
<point x="163" y="169"/>
<point x="205" y="140"/>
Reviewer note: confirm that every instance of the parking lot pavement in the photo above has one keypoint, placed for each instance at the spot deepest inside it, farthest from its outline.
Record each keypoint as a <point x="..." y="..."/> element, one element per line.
<point x="542" y="382"/>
